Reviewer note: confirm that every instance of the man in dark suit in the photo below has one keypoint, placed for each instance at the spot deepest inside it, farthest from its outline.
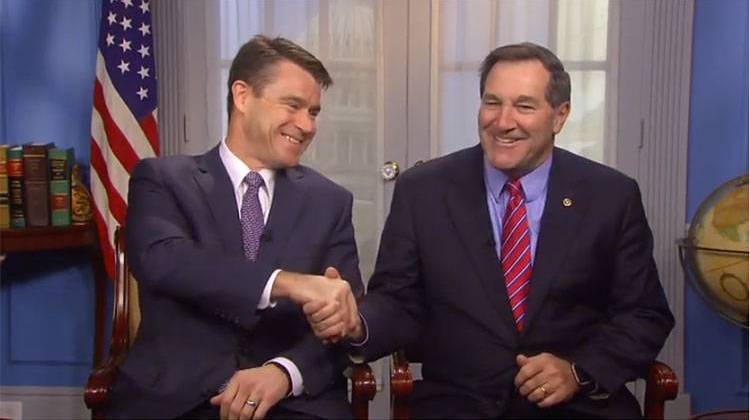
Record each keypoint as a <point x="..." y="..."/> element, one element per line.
<point x="218" y="242"/>
<point x="521" y="274"/>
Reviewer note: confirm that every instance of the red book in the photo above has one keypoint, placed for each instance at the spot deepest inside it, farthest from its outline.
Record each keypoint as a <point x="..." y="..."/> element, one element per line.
<point x="4" y="197"/>
<point x="15" y="187"/>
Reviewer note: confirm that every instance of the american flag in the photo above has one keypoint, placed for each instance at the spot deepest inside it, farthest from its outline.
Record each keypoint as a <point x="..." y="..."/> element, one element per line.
<point x="123" y="123"/>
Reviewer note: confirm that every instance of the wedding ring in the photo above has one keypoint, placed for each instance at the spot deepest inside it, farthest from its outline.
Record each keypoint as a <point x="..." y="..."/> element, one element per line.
<point x="543" y="389"/>
<point x="251" y="403"/>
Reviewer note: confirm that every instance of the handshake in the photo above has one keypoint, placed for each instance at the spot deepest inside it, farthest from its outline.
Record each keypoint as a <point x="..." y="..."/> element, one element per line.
<point x="327" y="301"/>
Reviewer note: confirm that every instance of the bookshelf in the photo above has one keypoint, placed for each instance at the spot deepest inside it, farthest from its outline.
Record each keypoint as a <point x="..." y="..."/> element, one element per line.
<point x="35" y="239"/>
<point x="46" y="238"/>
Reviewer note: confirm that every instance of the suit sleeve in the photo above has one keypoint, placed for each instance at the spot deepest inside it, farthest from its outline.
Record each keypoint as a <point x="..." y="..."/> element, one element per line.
<point x="165" y="258"/>
<point x="638" y="318"/>
<point x="321" y="365"/>
<point x="394" y="304"/>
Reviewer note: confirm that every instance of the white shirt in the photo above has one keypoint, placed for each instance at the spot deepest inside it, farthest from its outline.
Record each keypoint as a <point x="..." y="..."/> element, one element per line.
<point x="237" y="170"/>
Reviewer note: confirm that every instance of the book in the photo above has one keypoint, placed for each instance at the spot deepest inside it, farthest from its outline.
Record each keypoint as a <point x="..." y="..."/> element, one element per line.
<point x="16" y="187"/>
<point x="36" y="183"/>
<point x="60" y="163"/>
<point x="4" y="196"/>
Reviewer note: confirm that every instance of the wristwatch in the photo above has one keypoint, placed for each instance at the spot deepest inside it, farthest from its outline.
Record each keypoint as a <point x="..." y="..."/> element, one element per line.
<point x="585" y="382"/>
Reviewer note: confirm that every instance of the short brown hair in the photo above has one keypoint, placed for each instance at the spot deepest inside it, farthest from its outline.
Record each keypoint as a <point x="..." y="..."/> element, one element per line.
<point x="558" y="88"/>
<point x="254" y="60"/>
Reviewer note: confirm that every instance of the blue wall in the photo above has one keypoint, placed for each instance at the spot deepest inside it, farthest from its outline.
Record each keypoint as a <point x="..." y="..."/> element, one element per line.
<point x="716" y="353"/>
<point x="47" y="59"/>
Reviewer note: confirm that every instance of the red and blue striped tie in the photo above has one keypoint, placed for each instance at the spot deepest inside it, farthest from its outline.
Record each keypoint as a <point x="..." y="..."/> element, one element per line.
<point x="515" y="251"/>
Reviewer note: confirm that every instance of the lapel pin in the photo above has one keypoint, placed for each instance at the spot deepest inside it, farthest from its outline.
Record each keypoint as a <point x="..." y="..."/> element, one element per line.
<point x="567" y="202"/>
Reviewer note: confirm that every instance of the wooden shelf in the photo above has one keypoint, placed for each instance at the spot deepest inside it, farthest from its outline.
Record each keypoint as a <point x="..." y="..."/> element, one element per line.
<point x="46" y="238"/>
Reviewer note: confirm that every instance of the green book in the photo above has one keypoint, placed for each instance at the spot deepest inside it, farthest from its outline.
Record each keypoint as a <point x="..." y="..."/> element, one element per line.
<point x="60" y="163"/>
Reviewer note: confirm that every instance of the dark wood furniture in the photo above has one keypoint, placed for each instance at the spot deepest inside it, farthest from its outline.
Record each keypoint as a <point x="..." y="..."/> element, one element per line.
<point x="34" y="239"/>
<point x="46" y="238"/>
<point x="661" y="386"/>
<point x="124" y="329"/>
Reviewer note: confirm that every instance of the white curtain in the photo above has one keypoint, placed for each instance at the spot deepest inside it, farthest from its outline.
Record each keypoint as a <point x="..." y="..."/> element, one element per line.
<point x="576" y="30"/>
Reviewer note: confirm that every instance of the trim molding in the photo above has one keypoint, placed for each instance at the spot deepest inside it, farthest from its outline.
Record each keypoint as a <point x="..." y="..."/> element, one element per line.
<point x="36" y="402"/>
<point x="654" y="104"/>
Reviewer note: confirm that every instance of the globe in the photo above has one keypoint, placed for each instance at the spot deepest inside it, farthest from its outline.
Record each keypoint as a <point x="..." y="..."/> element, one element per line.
<point x="715" y="253"/>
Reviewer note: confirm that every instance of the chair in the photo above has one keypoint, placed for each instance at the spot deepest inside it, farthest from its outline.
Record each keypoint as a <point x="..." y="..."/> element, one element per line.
<point x="661" y="386"/>
<point x="125" y="328"/>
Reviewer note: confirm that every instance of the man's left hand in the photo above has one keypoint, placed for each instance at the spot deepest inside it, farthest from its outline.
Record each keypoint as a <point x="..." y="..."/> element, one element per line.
<point x="545" y="379"/>
<point x="252" y="392"/>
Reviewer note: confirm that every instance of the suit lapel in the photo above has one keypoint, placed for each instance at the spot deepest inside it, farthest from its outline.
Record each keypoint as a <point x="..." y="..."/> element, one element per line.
<point x="467" y="204"/>
<point x="214" y="181"/>
<point x="288" y="200"/>
<point x="563" y="214"/>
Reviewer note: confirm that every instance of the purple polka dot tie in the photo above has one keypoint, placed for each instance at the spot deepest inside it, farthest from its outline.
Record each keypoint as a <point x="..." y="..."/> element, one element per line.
<point x="251" y="216"/>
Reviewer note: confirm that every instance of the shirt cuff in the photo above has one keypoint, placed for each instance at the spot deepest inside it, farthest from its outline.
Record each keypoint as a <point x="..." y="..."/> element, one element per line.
<point x="354" y="354"/>
<point x="365" y="335"/>
<point x="265" y="297"/>
<point x="298" y="385"/>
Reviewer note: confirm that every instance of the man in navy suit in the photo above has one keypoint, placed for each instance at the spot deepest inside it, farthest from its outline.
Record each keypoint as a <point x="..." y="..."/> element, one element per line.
<point x="218" y="244"/>
<point x="520" y="273"/>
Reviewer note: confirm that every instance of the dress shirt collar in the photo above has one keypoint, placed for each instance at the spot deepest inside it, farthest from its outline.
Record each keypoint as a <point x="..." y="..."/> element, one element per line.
<point x="534" y="183"/>
<point x="237" y="169"/>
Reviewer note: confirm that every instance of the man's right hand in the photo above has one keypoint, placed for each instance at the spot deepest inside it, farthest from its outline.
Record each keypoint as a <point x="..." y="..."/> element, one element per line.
<point x="327" y="301"/>
<point x="327" y="323"/>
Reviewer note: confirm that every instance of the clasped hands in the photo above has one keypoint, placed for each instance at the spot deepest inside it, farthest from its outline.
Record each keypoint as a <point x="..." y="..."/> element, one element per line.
<point x="545" y="379"/>
<point x="327" y="301"/>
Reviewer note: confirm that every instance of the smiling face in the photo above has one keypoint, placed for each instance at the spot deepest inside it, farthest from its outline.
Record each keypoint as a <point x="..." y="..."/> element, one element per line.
<point x="273" y="129"/>
<point x="517" y="125"/>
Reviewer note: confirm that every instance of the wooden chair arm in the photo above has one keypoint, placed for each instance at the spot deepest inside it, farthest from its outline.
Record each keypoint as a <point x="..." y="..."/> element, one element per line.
<point x="96" y="394"/>
<point x="364" y="388"/>
<point x="661" y="386"/>
<point x="402" y="384"/>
